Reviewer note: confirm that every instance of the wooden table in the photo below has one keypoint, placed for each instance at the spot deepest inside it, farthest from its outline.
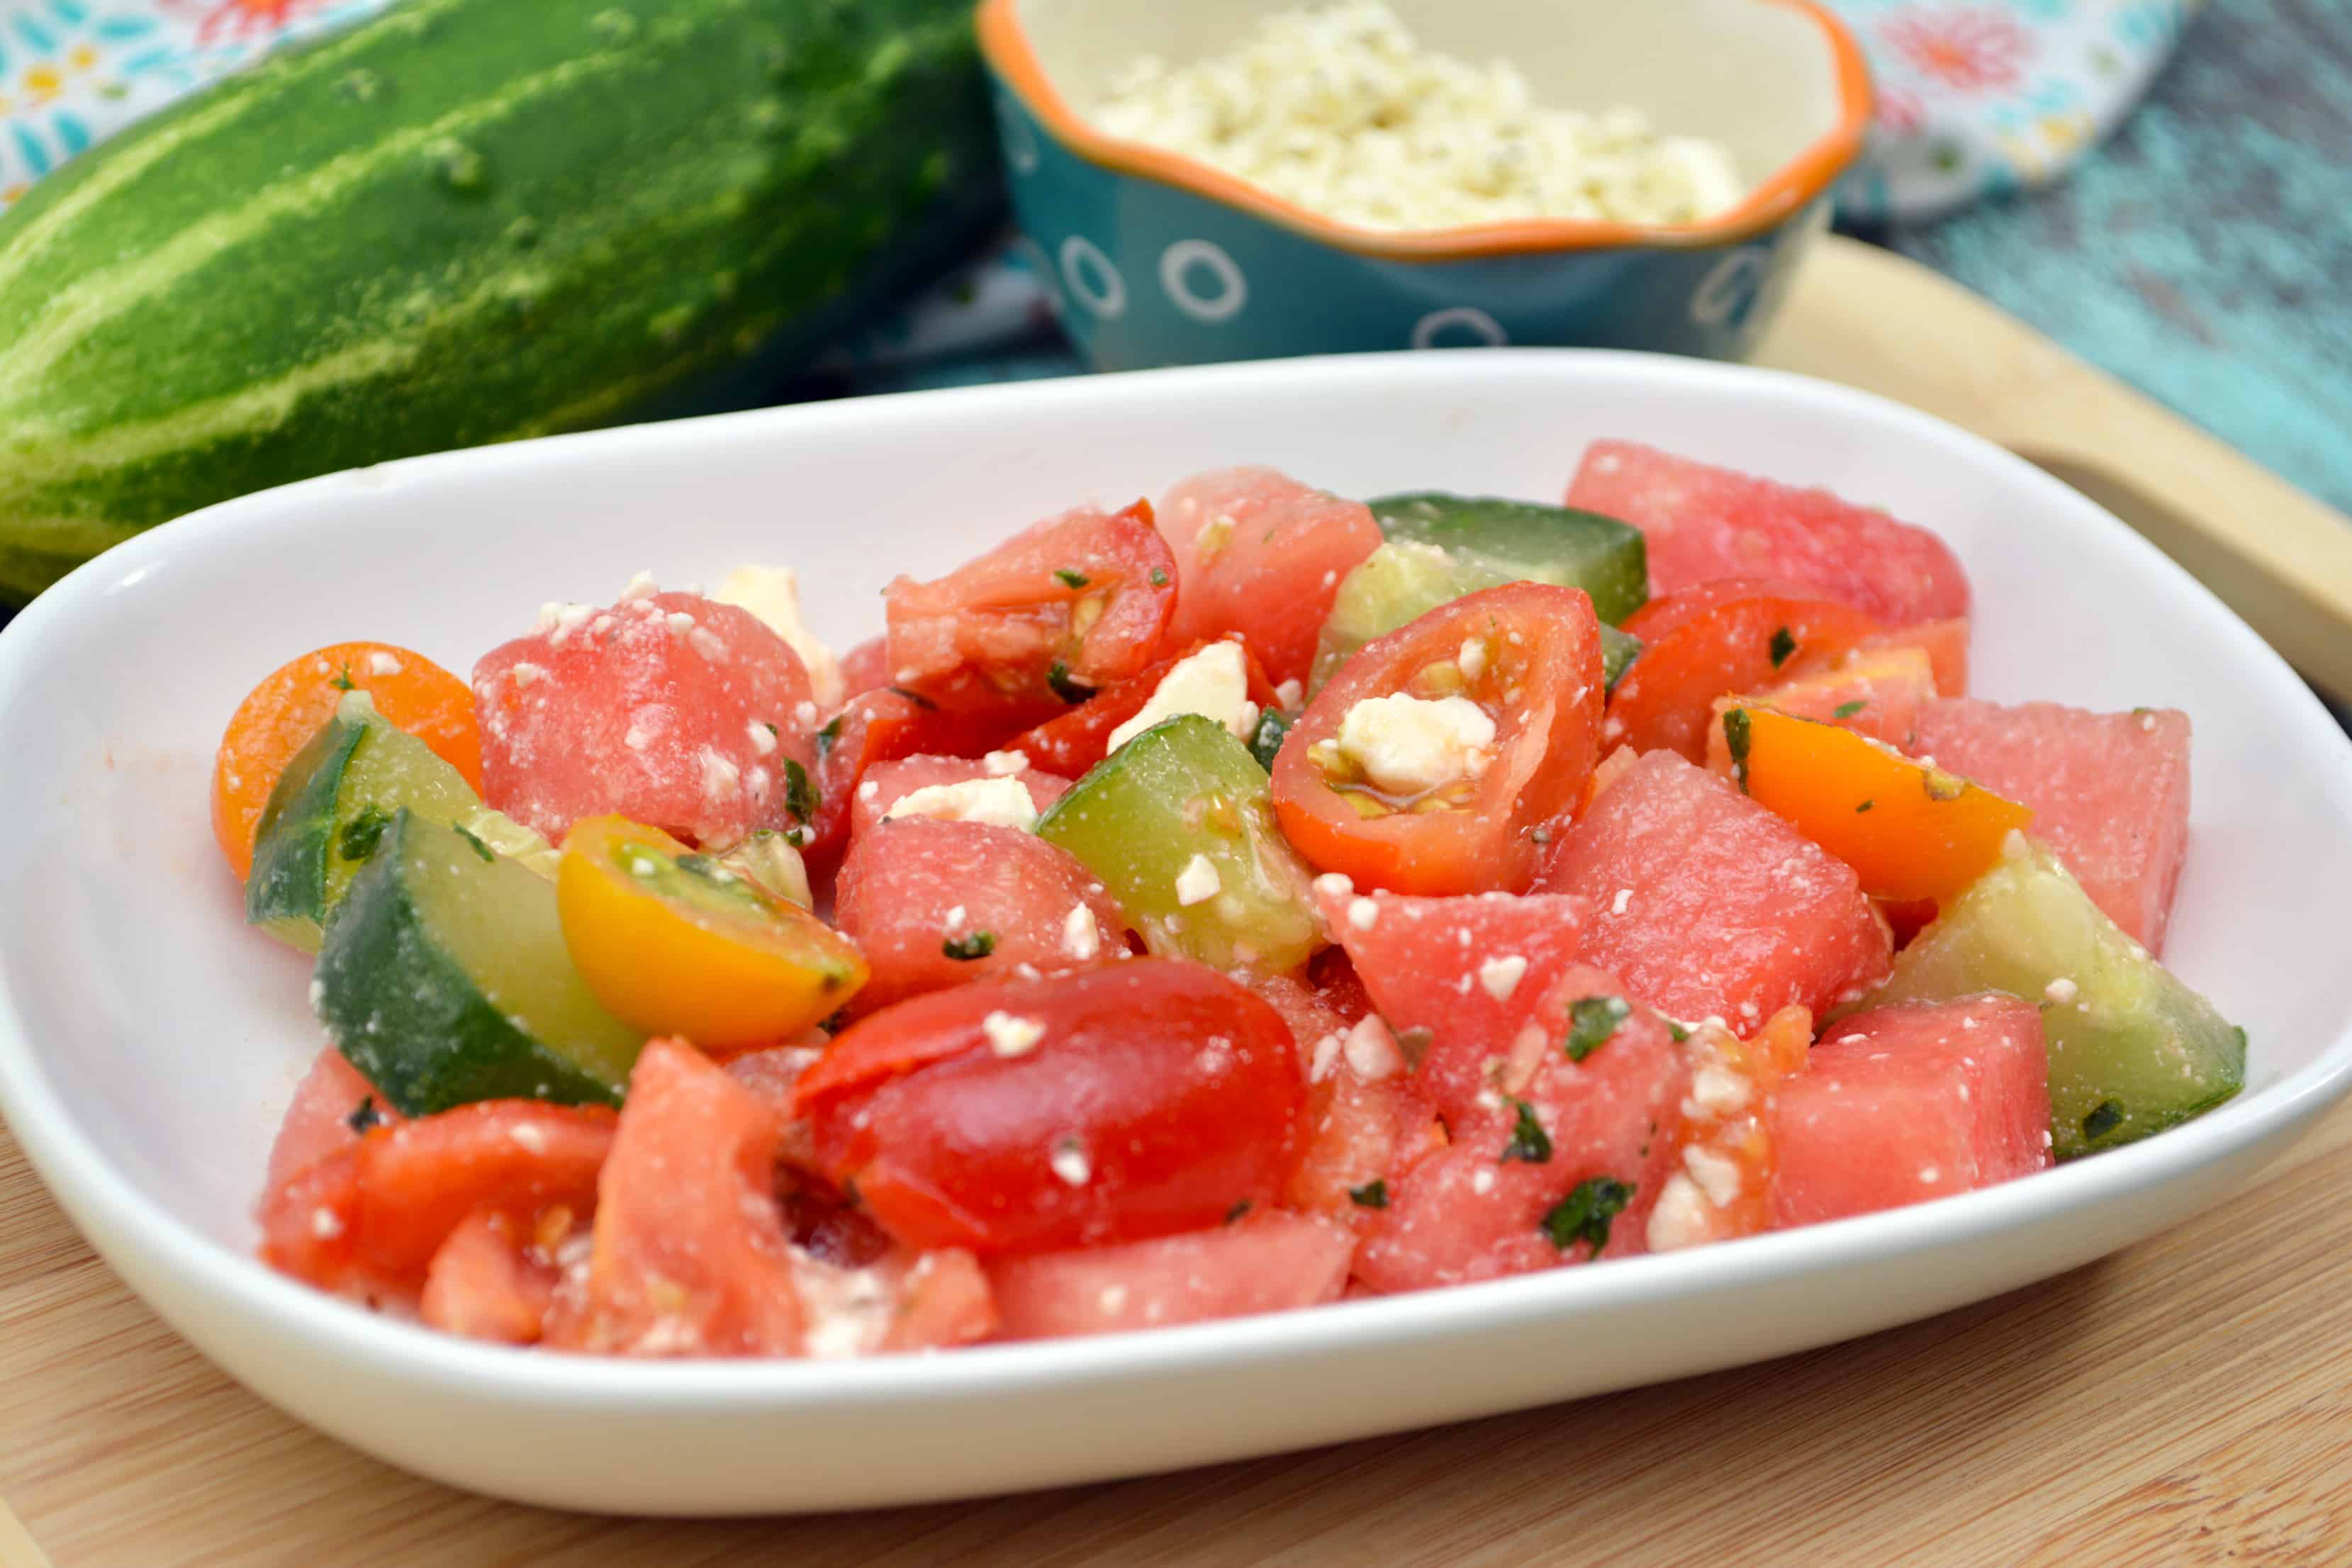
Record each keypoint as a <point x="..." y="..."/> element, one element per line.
<point x="2188" y="1402"/>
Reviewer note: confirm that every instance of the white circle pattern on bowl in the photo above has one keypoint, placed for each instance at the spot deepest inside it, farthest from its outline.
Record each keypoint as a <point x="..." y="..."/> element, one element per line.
<point x="1730" y="286"/>
<point x="1106" y="299"/>
<point x="1222" y="306"/>
<point x="1425" y="331"/>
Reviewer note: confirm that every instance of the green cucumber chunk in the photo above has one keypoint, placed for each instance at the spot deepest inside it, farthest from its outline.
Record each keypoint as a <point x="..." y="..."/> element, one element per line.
<point x="2132" y="1049"/>
<point x="1404" y="580"/>
<point x="330" y="807"/>
<point x="1528" y="542"/>
<point x="445" y="979"/>
<point x="1184" y="792"/>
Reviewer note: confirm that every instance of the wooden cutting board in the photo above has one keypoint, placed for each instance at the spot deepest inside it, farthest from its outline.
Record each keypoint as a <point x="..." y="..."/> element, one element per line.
<point x="2187" y="1402"/>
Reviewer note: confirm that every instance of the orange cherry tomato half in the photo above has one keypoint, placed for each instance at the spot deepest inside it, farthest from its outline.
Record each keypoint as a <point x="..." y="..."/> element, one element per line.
<point x="1909" y="830"/>
<point x="674" y="943"/>
<point x="279" y="717"/>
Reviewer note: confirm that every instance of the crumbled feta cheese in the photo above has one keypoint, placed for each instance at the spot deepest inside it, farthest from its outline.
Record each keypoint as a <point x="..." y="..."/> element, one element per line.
<point x="384" y="664"/>
<point x="707" y="643"/>
<point x="1372" y="1052"/>
<point x="1335" y="884"/>
<point x="1290" y="693"/>
<point x="1363" y="913"/>
<point x="870" y="789"/>
<point x="2062" y="991"/>
<point x="1003" y="764"/>
<point x="1111" y="1298"/>
<point x="325" y="1224"/>
<point x="1009" y="1035"/>
<point x="640" y="587"/>
<point x="1928" y="1174"/>
<point x="804" y="715"/>
<point x="528" y="1138"/>
<point x="1483" y="1183"/>
<point x="1719" y="1090"/>
<point x="524" y="673"/>
<point x="772" y="594"/>
<point x="1717" y="1177"/>
<point x="1213" y="683"/>
<point x="680" y="622"/>
<point x="1500" y="976"/>
<point x="1624" y="897"/>
<point x="1197" y="881"/>
<point x="720" y="777"/>
<point x="1341" y="110"/>
<point x="1326" y="1056"/>
<point x="1210" y="536"/>
<point x="999" y="803"/>
<point x="764" y="738"/>
<point x="1081" y="939"/>
<point x="1471" y="657"/>
<point x="1680" y="1218"/>
<point x="1408" y="745"/>
<point x="952" y="919"/>
<point x="1070" y="1163"/>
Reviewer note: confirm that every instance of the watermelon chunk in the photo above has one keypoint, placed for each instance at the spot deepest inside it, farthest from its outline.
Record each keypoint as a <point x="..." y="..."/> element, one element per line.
<point x="1259" y="553"/>
<point x="671" y="710"/>
<point x="491" y="1280"/>
<point x="1709" y="905"/>
<point x="333" y="1105"/>
<point x="1468" y="968"/>
<point x="935" y="904"/>
<point x="892" y="782"/>
<point x="1946" y="643"/>
<point x="1552" y="1131"/>
<point x="2109" y="792"/>
<point x="1702" y="521"/>
<point x="1264" y="1264"/>
<point x="1906" y="1103"/>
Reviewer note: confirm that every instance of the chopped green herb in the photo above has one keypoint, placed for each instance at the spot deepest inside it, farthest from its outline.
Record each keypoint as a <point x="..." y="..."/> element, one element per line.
<point x="1675" y="1032"/>
<point x="1266" y="739"/>
<point x="364" y="1116"/>
<point x="1848" y="710"/>
<point x="1781" y="647"/>
<point x="1592" y="1023"/>
<point x="916" y="697"/>
<point x="1865" y="806"/>
<point x="2103" y="1119"/>
<point x="1529" y="1144"/>
<point x="697" y="864"/>
<point x="832" y="1023"/>
<point x="1160" y="577"/>
<point x="361" y="833"/>
<point x="800" y="794"/>
<point x="1372" y="1195"/>
<point x="827" y="737"/>
<point x="979" y="944"/>
<point x="1235" y="1213"/>
<point x="479" y="847"/>
<point x="1735" y="738"/>
<point x="1584" y="1215"/>
<point x="1067" y="687"/>
<point x="342" y="681"/>
<point x="2142" y="712"/>
<point x="773" y="733"/>
<point x="1069" y="579"/>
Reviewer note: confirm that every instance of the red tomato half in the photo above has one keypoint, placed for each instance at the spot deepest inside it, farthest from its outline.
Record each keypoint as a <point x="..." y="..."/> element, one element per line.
<point x="1723" y="638"/>
<point x="1071" y="743"/>
<point x="1538" y="676"/>
<point x="1014" y="1116"/>
<point x="1053" y="614"/>
<point x="1259" y="553"/>
<point x="372" y="1214"/>
<point x="881" y="726"/>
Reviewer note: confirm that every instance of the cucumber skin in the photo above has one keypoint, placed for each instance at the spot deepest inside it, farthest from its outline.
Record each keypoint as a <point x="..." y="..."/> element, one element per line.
<point x="460" y="222"/>
<point x="377" y="934"/>
<point x="286" y="893"/>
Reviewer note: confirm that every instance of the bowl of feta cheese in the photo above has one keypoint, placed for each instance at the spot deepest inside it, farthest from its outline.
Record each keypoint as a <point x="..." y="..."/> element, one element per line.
<point x="1250" y="179"/>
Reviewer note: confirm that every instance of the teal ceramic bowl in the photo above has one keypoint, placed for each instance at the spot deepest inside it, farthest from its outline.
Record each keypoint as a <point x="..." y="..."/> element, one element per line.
<point x="1159" y="259"/>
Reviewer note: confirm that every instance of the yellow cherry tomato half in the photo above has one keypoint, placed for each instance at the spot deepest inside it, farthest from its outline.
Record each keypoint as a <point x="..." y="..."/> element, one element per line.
<point x="673" y="942"/>
<point x="1909" y="829"/>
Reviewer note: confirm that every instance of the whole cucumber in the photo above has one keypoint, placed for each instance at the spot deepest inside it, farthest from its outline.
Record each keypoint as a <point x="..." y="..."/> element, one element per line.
<point x="466" y="221"/>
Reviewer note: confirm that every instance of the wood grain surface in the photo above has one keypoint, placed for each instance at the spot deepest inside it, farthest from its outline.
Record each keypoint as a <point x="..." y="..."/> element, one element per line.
<point x="2186" y="1403"/>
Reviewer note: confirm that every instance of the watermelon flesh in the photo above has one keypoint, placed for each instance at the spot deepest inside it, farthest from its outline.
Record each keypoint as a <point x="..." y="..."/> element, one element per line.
<point x="2109" y="792"/>
<point x="1906" y="1103"/>
<point x="668" y="709"/>
<point x="1259" y="553"/>
<point x="1468" y="968"/>
<point x="912" y="887"/>
<point x="1463" y="1211"/>
<point x="1709" y="905"/>
<point x="1265" y="1263"/>
<point x="1701" y="522"/>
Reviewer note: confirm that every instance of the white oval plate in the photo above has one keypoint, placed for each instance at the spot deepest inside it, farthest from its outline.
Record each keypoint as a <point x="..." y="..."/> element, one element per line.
<point x="149" y="1042"/>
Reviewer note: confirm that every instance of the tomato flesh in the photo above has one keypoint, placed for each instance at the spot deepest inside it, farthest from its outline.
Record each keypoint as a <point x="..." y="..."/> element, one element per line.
<point x="1720" y="639"/>
<point x="1114" y="1105"/>
<point x="1537" y="675"/>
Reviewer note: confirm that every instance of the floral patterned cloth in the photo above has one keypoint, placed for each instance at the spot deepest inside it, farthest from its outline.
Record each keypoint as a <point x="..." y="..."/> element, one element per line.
<point x="1975" y="98"/>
